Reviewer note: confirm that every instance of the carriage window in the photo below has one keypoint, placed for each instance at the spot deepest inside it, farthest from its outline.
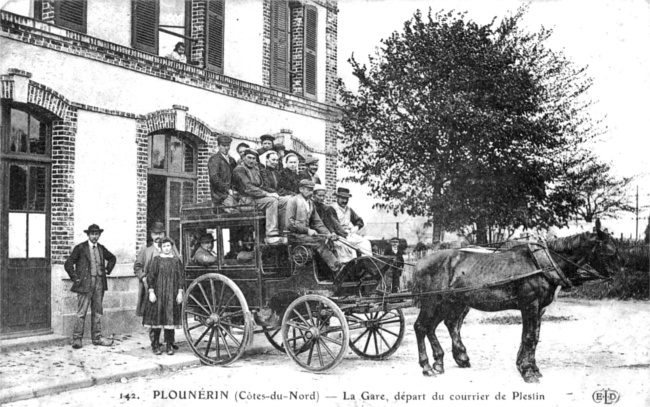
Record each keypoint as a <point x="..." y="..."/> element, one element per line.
<point x="238" y="245"/>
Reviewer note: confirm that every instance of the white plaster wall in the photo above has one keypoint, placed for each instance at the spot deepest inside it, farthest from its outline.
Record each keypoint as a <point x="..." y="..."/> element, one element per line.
<point x="20" y="7"/>
<point x="110" y="20"/>
<point x="94" y="83"/>
<point x="243" y="47"/>
<point x="105" y="181"/>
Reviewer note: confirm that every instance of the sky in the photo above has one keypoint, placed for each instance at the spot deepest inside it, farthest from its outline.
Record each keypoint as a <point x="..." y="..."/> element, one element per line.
<point x="611" y="38"/>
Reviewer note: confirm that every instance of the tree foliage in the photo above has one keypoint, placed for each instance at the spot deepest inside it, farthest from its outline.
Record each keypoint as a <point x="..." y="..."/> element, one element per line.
<point x="462" y="123"/>
<point x="599" y="193"/>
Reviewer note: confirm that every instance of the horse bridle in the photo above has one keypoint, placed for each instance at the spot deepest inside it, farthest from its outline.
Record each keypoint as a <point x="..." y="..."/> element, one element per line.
<point x="585" y="260"/>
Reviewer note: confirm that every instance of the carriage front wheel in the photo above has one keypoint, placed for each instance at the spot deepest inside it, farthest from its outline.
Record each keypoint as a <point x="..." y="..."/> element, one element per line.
<point x="315" y="333"/>
<point x="216" y="319"/>
<point x="376" y="335"/>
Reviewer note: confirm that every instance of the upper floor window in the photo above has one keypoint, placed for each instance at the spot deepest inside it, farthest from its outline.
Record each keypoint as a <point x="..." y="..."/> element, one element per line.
<point x="71" y="14"/>
<point x="310" y="54"/>
<point x="280" y="44"/>
<point x="25" y="133"/>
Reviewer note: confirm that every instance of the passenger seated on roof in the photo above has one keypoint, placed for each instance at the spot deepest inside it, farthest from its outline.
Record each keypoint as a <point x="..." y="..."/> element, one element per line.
<point x="220" y="170"/>
<point x="289" y="178"/>
<point x="204" y="255"/>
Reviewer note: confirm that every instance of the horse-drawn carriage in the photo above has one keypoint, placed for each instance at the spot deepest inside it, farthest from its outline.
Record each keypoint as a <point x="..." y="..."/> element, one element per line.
<point x="284" y="292"/>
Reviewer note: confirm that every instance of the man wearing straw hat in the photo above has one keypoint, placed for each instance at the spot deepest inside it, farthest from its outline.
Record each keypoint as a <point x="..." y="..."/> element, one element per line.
<point x="88" y="265"/>
<point x="306" y="227"/>
<point x="351" y="223"/>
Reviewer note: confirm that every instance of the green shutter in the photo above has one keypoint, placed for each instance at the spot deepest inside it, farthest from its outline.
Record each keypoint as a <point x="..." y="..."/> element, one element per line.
<point x="280" y="44"/>
<point x="144" y="28"/>
<point x="215" y="35"/>
<point x="71" y="14"/>
<point x="311" y="41"/>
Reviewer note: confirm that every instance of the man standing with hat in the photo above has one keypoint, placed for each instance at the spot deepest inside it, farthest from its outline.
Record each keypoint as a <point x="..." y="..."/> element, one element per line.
<point x="351" y="222"/>
<point x="88" y="265"/>
<point x="248" y="182"/>
<point x="396" y="252"/>
<point x="311" y="164"/>
<point x="220" y="168"/>
<point x="305" y="226"/>
<point x="142" y="267"/>
<point x="204" y="255"/>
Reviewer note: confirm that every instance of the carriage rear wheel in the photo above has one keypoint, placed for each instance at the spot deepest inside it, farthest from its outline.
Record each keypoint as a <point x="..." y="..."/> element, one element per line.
<point x="216" y="319"/>
<point x="275" y="339"/>
<point x="376" y="335"/>
<point x="315" y="333"/>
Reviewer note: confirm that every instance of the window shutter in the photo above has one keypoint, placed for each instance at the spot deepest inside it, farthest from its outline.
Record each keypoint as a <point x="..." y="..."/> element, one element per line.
<point x="280" y="44"/>
<point x="215" y="35"/>
<point x="144" y="27"/>
<point x="311" y="41"/>
<point x="71" y="14"/>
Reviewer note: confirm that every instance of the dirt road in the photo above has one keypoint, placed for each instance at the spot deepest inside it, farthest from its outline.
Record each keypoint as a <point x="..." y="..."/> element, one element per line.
<point x="589" y="352"/>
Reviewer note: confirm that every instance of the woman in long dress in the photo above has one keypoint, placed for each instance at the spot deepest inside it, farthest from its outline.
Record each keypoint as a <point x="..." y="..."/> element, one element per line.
<point x="163" y="310"/>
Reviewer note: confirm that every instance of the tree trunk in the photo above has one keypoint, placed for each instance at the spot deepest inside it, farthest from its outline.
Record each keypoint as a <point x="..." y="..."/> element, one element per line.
<point x="481" y="233"/>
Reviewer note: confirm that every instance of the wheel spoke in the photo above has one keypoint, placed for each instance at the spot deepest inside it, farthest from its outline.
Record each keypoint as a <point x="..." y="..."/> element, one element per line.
<point x="205" y="296"/>
<point x="324" y="345"/>
<point x="225" y="344"/>
<point x="195" y="326"/>
<point x="207" y="350"/>
<point x="189" y="311"/>
<point x="225" y="307"/>
<point x="334" y="341"/>
<point x="202" y="335"/>
<point x="218" y="306"/>
<point x="383" y="339"/>
<point x="391" y="321"/>
<point x="296" y="326"/>
<point x="274" y="334"/>
<point x="374" y="337"/>
<point x="365" y="349"/>
<point x="311" y="352"/>
<point x="300" y="316"/>
<point x="311" y="316"/>
<point x="212" y="294"/>
<point x="360" y="336"/>
<point x="320" y="354"/>
<point x="231" y="336"/>
<point x="199" y="304"/>
<point x="386" y="330"/>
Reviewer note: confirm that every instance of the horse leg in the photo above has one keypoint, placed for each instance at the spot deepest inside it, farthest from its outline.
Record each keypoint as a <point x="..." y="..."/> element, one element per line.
<point x="436" y="349"/>
<point x="535" y="369"/>
<point x="454" y="322"/>
<point x="530" y="315"/>
<point x="425" y="325"/>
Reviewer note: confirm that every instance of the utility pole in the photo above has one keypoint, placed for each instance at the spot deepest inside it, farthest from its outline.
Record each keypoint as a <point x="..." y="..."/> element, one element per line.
<point x="637" y="212"/>
<point x="397" y="227"/>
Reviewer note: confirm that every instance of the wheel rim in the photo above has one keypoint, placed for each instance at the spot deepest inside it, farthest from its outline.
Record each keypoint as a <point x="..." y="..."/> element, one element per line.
<point x="376" y="335"/>
<point x="275" y="339"/>
<point x="315" y="333"/>
<point x="216" y="319"/>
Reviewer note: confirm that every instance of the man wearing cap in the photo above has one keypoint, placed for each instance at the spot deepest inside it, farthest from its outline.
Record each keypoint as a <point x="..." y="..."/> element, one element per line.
<point x="204" y="255"/>
<point x="311" y="164"/>
<point x="267" y="143"/>
<point x="396" y="252"/>
<point x="248" y="182"/>
<point x="351" y="222"/>
<point x="220" y="168"/>
<point x="327" y="213"/>
<point x="306" y="227"/>
<point x="88" y="265"/>
<point x="141" y="268"/>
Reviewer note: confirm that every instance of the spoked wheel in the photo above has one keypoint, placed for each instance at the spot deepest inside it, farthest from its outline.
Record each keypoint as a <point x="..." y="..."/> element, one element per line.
<point x="376" y="335"/>
<point x="216" y="319"/>
<point x="315" y="333"/>
<point x="275" y="339"/>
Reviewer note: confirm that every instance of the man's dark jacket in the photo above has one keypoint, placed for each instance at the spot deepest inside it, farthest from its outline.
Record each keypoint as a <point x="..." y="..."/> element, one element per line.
<point x="399" y="257"/>
<point x="220" y="172"/>
<point x="270" y="179"/>
<point x="328" y="216"/>
<point x="78" y="266"/>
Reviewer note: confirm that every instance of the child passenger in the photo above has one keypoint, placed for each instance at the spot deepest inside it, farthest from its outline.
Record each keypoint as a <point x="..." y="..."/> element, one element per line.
<point x="165" y="281"/>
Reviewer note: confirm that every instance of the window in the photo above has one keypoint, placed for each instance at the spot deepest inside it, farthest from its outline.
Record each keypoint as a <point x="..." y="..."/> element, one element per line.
<point x="71" y="14"/>
<point x="26" y="142"/>
<point x="280" y="45"/>
<point x="171" y="154"/>
<point x="310" y="43"/>
<point x="215" y="35"/>
<point x="144" y="29"/>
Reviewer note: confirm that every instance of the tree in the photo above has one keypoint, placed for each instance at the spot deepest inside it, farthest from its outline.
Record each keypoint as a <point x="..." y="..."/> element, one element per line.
<point x="600" y="194"/>
<point x="462" y="122"/>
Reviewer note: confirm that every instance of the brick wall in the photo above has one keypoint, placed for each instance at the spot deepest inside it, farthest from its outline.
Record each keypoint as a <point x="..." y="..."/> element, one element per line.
<point x="48" y="12"/>
<point x="266" y="44"/>
<point x="197" y="32"/>
<point x="142" y="145"/>
<point x="331" y="41"/>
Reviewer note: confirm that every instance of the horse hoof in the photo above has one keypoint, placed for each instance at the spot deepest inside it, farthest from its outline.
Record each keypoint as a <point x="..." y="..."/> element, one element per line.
<point x="428" y="372"/>
<point x="531" y="377"/>
<point x="439" y="368"/>
<point x="464" y="363"/>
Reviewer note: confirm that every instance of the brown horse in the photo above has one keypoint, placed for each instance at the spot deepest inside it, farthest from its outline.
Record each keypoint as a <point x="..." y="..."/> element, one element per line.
<point x="450" y="282"/>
